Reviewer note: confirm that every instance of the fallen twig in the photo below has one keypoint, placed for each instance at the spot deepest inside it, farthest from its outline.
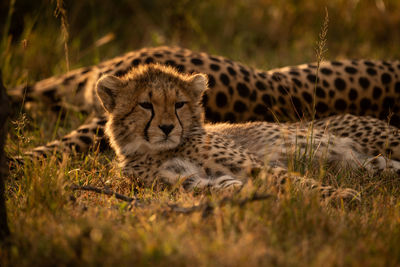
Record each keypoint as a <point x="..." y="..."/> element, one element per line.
<point x="103" y="191"/>
<point x="207" y="208"/>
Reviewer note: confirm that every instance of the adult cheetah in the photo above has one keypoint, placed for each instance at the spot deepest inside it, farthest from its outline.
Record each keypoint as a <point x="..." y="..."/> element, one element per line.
<point x="237" y="93"/>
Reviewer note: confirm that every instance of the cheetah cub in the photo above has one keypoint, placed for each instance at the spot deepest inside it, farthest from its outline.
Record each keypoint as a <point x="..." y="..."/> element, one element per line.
<point x="155" y="125"/>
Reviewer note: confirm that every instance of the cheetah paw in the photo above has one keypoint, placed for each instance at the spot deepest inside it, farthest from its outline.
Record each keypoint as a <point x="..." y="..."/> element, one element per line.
<point x="346" y="194"/>
<point x="227" y="182"/>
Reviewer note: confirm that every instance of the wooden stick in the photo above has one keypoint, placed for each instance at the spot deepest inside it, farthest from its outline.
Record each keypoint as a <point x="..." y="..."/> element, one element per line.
<point x="103" y="191"/>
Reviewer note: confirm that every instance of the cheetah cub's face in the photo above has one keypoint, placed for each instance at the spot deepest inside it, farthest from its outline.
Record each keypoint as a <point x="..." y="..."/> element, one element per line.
<point x="151" y="109"/>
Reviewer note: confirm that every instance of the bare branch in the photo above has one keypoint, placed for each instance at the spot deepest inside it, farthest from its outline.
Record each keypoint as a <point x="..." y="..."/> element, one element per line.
<point x="102" y="191"/>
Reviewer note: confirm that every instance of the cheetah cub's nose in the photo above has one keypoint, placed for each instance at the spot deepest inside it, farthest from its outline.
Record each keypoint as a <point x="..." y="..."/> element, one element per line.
<point x="166" y="128"/>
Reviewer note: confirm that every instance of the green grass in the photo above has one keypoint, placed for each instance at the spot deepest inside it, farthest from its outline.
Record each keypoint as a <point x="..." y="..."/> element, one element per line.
<point x="54" y="225"/>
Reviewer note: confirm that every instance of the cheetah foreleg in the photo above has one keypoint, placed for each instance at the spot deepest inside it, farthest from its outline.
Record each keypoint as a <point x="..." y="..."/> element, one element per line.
<point x="194" y="176"/>
<point x="280" y="177"/>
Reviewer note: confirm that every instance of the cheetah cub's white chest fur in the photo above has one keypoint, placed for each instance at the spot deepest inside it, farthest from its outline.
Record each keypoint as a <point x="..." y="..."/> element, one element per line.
<point x="155" y="125"/>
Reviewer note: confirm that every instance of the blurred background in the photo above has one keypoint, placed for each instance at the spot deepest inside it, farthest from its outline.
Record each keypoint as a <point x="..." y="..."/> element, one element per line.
<point x="260" y="33"/>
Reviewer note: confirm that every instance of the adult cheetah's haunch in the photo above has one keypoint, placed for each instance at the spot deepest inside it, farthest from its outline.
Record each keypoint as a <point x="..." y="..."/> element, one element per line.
<point x="155" y="125"/>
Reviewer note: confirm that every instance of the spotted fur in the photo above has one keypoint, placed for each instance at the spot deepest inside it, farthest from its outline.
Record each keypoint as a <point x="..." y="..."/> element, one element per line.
<point x="237" y="93"/>
<point x="143" y="102"/>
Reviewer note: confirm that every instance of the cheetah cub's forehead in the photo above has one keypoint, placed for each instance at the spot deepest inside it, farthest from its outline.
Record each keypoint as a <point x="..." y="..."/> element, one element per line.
<point x="153" y="108"/>
<point x="152" y="82"/>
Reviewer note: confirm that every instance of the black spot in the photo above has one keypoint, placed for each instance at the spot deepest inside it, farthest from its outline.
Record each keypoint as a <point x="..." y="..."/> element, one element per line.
<point x="135" y="62"/>
<point x="276" y="76"/>
<point x="325" y="83"/>
<point x="68" y="79"/>
<point x="365" y="104"/>
<point x="388" y="151"/>
<point x="364" y="82"/>
<point x="369" y="63"/>
<point x="245" y="72"/>
<point x="170" y="63"/>
<point x="180" y="68"/>
<point x="353" y="94"/>
<point x="204" y="100"/>
<point x="80" y="86"/>
<point x="388" y="103"/>
<point x="336" y="63"/>
<point x="397" y="87"/>
<point x="87" y="140"/>
<point x="268" y="100"/>
<point x="297" y="105"/>
<point x="196" y="61"/>
<point x="386" y="78"/>
<point x="371" y="71"/>
<point x="260" y="109"/>
<point x="320" y="92"/>
<point x="221" y="99"/>
<point x="331" y="93"/>
<point x="118" y="63"/>
<point x="321" y="107"/>
<point x="231" y="71"/>
<point x="340" y="104"/>
<point x="158" y="55"/>
<point x="295" y="73"/>
<point x="83" y="130"/>
<point x="312" y="78"/>
<point x="297" y="82"/>
<point x="86" y="70"/>
<point x="102" y="122"/>
<point x="260" y="86"/>
<point x="149" y="60"/>
<point x="211" y="81"/>
<point x="239" y="106"/>
<point x="350" y="70"/>
<point x="262" y="75"/>
<point x="307" y="97"/>
<point x="215" y="67"/>
<point x="121" y="73"/>
<point x="377" y="92"/>
<point x="326" y="71"/>
<point x="224" y="79"/>
<point x="100" y="132"/>
<point x="230" y="117"/>
<point x="283" y="90"/>
<point x="281" y="100"/>
<point x="243" y="90"/>
<point x="340" y="84"/>
<point x="214" y="59"/>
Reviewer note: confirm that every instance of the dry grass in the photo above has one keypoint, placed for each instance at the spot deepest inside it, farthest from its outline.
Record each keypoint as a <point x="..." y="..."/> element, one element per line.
<point x="54" y="225"/>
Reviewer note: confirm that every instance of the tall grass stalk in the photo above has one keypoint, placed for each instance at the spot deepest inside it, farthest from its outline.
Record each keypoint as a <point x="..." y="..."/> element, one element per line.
<point x="62" y="13"/>
<point x="320" y="50"/>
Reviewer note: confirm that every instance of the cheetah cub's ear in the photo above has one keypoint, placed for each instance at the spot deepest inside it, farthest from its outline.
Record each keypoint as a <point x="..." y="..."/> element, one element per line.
<point x="199" y="84"/>
<point x="107" y="89"/>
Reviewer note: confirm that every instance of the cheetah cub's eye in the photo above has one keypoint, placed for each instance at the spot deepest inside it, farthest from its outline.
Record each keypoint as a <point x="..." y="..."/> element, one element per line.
<point x="146" y="105"/>
<point x="178" y="105"/>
